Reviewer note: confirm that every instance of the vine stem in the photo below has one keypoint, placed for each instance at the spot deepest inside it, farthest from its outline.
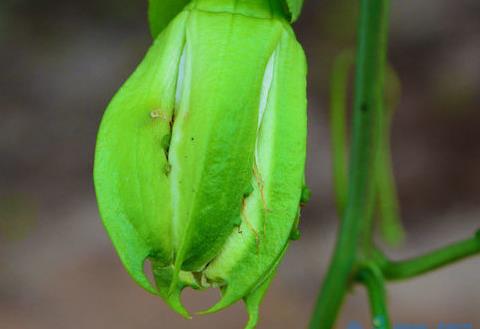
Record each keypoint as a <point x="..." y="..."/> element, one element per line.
<point x="356" y="222"/>
<point x="372" y="277"/>
<point x="398" y="270"/>
<point x="338" y="136"/>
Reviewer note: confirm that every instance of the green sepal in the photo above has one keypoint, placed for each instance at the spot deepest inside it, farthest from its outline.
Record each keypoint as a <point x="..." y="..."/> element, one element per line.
<point x="134" y="207"/>
<point x="213" y="141"/>
<point x="271" y="210"/>
<point x="172" y="295"/>
<point x="254" y="299"/>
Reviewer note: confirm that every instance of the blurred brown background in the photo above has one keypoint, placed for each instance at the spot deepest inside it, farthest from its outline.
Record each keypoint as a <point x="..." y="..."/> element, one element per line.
<point x="60" y="63"/>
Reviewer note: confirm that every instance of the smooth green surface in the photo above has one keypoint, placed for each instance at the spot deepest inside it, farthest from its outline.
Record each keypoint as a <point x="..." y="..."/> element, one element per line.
<point x="278" y="181"/>
<point x="214" y="133"/>
<point x="130" y="162"/>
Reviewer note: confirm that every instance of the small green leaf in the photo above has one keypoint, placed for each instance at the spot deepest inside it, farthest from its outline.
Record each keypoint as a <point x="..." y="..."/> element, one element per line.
<point x="161" y="12"/>
<point x="255" y="298"/>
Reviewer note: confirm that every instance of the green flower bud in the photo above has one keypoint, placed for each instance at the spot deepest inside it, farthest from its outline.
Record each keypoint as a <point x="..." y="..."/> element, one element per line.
<point x="199" y="165"/>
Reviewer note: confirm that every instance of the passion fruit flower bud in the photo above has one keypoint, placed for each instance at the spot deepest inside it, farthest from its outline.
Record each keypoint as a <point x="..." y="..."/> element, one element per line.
<point x="199" y="165"/>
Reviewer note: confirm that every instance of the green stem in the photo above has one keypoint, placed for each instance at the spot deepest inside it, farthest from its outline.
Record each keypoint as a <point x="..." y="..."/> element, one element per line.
<point x="390" y="224"/>
<point x="372" y="277"/>
<point x="388" y="209"/>
<point x="338" y="108"/>
<point x="397" y="270"/>
<point x="371" y="54"/>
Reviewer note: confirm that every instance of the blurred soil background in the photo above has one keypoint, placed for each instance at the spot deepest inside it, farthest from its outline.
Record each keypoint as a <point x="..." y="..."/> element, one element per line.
<point x="61" y="62"/>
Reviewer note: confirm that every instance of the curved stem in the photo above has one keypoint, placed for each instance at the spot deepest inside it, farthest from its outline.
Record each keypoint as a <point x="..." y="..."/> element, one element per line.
<point x="370" y="63"/>
<point x="390" y="224"/>
<point x="338" y="108"/>
<point x="397" y="270"/>
<point x="372" y="277"/>
<point x="388" y="209"/>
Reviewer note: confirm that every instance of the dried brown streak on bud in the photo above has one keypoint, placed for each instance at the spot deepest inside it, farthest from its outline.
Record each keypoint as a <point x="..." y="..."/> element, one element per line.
<point x="250" y="226"/>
